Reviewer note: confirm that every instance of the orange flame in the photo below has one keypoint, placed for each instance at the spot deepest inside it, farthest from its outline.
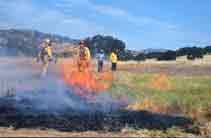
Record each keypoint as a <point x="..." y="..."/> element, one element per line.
<point x="160" y="81"/>
<point x="84" y="82"/>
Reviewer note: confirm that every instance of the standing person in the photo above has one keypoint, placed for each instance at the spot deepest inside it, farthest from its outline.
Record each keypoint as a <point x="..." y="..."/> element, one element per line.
<point x="84" y="57"/>
<point x="45" y="55"/>
<point x="100" y="57"/>
<point x="113" y="59"/>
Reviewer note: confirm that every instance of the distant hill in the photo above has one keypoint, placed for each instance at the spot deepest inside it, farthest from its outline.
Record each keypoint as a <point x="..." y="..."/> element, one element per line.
<point x="151" y="50"/>
<point x="14" y="42"/>
<point x="25" y="42"/>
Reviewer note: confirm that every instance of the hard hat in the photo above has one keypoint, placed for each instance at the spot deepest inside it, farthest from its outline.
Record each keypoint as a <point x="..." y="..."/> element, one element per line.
<point x="101" y="51"/>
<point x="82" y="42"/>
<point x="47" y="40"/>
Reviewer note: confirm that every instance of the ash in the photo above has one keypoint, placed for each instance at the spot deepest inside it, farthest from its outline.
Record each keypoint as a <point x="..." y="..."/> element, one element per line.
<point x="29" y="111"/>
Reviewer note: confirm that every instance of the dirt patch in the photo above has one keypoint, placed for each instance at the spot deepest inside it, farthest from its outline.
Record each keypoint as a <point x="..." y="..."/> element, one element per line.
<point x="10" y="132"/>
<point x="126" y="132"/>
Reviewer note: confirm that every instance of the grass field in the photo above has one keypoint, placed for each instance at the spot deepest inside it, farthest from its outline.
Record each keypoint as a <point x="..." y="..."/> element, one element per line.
<point x="186" y="95"/>
<point x="181" y="87"/>
<point x="175" y="88"/>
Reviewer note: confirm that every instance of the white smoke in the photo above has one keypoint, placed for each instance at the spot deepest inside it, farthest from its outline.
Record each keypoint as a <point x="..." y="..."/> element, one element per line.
<point x="45" y="94"/>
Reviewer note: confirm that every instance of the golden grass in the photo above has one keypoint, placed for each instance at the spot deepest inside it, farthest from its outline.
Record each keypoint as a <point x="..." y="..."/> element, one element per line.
<point x="160" y="81"/>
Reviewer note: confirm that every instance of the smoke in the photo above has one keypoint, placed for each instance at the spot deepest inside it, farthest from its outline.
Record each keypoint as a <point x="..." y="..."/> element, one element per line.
<point x="9" y="51"/>
<point x="48" y="94"/>
<point x="2" y="51"/>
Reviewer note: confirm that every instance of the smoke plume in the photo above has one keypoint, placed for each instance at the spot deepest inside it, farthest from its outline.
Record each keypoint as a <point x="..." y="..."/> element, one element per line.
<point x="20" y="80"/>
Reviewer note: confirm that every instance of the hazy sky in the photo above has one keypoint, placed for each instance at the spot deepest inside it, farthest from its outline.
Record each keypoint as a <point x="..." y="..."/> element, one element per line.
<point x="140" y="23"/>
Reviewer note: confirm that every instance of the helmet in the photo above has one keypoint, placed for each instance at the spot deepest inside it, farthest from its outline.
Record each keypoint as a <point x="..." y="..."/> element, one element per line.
<point x="47" y="41"/>
<point x="101" y="51"/>
<point x="82" y="44"/>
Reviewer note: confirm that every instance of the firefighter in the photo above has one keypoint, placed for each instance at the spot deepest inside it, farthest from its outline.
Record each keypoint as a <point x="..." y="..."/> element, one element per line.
<point x="45" y="55"/>
<point x="100" y="57"/>
<point x="113" y="59"/>
<point x="84" y="57"/>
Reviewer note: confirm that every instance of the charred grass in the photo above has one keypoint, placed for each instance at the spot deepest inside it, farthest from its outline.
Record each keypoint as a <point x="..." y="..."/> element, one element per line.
<point x="189" y="96"/>
<point x="149" y="113"/>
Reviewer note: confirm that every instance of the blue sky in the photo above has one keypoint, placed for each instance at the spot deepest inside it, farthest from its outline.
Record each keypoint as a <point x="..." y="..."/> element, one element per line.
<point x="140" y="23"/>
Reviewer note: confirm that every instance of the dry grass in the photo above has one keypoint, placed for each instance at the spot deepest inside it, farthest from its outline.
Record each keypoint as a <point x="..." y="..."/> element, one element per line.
<point x="185" y="89"/>
<point x="165" y="94"/>
<point x="180" y="60"/>
<point x="161" y="82"/>
<point x="126" y="132"/>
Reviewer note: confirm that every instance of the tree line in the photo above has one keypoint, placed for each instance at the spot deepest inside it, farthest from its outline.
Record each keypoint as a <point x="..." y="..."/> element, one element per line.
<point x="191" y="53"/>
<point x="26" y="42"/>
<point x="107" y="44"/>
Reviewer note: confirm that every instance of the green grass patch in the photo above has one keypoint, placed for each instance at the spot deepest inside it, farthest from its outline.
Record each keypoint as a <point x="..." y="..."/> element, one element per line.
<point x="187" y="92"/>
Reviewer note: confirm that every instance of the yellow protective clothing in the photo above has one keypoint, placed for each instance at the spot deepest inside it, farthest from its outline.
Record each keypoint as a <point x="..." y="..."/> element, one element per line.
<point x="113" y="57"/>
<point x="87" y="53"/>
<point x="84" y="58"/>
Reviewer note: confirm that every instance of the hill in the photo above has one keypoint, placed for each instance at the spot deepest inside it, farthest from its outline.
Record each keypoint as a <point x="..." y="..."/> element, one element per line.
<point x="151" y="50"/>
<point x="15" y="42"/>
<point x="25" y="42"/>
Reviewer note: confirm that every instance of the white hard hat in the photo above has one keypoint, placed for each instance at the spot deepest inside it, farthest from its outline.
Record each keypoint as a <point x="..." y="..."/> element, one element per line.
<point x="47" y="40"/>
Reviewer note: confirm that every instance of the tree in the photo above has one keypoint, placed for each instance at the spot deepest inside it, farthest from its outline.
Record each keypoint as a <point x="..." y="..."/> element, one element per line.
<point x="169" y="55"/>
<point x="195" y="52"/>
<point x="207" y="49"/>
<point x="126" y="55"/>
<point x="153" y="55"/>
<point x="140" y="57"/>
<point x="183" y="51"/>
<point x="105" y="43"/>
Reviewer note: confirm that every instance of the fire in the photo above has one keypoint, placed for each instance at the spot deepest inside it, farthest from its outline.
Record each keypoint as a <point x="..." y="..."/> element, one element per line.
<point x="146" y="104"/>
<point x="85" y="82"/>
<point x="160" y="81"/>
<point x="153" y="106"/>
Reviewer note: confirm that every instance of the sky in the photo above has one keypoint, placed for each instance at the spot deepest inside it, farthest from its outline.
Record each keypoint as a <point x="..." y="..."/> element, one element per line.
<point x="141" y="24"/>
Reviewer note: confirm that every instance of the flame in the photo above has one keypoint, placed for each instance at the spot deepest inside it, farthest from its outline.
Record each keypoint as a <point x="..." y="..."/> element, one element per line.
<point x="153" y="106"/>
<point x="84" y="82"/>
<point x="160" y="81"/>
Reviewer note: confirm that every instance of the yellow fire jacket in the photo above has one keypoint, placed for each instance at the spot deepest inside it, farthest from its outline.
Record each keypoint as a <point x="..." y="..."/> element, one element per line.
<point x="84" y="53"/>
<point x="49" y="51"/>
<point x="87" y="53"/>
<point x="113" y="57"/>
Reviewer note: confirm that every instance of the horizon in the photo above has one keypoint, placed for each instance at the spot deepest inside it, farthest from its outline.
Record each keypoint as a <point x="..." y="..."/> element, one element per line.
<point x="140" y="24"/>
<point x="137" y="50"/>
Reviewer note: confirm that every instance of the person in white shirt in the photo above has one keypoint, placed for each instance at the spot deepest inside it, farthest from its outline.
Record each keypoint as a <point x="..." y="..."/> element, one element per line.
<point x="100" y="57"/>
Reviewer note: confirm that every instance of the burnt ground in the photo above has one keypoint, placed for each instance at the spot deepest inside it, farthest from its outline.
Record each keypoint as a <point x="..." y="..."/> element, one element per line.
<point x="70" y="120"/>
<point x="170" y="69"/>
